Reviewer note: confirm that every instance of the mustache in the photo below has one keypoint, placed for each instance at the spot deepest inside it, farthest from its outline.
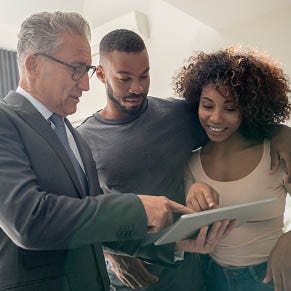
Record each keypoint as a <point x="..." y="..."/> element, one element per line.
<point x="133" y="95"/>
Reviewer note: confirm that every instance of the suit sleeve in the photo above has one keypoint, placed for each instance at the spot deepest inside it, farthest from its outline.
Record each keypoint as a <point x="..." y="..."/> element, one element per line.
<point x="34" y="217"/>
<point x="145" y="250"/>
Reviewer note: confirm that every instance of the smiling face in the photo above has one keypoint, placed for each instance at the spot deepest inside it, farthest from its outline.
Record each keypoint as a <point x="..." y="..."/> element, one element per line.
<point x="126" y="78"/>
<point x="53" y="85"/>
<point x="218" y="114"/>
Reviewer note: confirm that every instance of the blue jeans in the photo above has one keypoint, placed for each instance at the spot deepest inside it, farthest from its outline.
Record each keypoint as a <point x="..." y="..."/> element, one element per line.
<point x="220" y="278"/>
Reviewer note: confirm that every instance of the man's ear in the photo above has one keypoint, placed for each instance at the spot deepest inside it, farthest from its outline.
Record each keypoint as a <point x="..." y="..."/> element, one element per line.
<point x="31" y="64"/>
<point x="100" y="73"/>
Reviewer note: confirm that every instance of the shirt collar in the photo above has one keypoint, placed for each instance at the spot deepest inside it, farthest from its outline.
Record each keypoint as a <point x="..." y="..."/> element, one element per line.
<point x="36" y="103"/>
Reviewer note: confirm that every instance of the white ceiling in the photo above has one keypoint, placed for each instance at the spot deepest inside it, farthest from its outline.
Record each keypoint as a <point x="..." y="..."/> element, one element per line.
<point x="98" y="12"/>
<point x="212" y="12"/>
<point x="224" y="13"/>
<point x="13" y="12"/>
<point x="218" y="14"/>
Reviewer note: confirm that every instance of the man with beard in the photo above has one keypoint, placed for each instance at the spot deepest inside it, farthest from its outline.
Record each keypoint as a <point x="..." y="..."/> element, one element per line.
<point x="52" y="216"/>
<point x="134" y="140"/>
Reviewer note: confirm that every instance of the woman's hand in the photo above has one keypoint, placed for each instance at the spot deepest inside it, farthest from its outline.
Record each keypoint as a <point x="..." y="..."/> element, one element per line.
<point x="202" y="197"/>
<point x="208" y="237"/>
<point x="279" y="264"/>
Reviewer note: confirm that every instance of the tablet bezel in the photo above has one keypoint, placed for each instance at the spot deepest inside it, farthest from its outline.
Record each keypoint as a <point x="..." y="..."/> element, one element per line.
<point x="189" y="224"/>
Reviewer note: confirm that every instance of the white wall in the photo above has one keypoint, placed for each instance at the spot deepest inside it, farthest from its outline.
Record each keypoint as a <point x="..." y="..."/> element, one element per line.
<point x="270" y="32"/>
<point x="173" y="35"/>
<point x="10" y="39"/>
<point x="13" y="12"/>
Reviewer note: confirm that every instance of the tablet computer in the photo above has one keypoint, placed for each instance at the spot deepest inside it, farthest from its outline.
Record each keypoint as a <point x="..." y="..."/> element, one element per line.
<point x="189" y="224"/>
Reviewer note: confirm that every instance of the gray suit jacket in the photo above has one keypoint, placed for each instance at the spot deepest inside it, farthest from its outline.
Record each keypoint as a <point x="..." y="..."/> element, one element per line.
<point x="50" y="236"/>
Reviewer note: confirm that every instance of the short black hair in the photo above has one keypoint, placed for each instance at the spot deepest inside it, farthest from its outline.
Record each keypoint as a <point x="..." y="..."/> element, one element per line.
<point x="122" y="40"/>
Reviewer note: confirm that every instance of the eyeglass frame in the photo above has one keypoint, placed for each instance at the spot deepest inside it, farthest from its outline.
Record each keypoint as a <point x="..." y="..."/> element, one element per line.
<point x="72" y="67"/>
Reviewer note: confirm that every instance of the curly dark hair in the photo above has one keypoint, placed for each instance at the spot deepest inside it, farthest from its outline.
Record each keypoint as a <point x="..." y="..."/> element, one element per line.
<point x="257" y="83"/>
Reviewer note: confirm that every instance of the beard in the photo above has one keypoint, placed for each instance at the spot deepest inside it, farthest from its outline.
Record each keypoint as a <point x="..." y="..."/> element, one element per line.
<point x="127" y="111"/>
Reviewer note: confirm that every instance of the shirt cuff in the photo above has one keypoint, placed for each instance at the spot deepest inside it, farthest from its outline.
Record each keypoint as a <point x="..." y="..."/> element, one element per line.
<point x="178" y="256"/>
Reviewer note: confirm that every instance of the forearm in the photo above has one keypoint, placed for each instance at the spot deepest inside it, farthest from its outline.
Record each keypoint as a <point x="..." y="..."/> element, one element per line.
<point x="40" y="208"/>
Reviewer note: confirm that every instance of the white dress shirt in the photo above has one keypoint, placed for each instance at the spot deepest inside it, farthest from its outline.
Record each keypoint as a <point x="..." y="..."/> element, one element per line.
<point x="46" y="113"/>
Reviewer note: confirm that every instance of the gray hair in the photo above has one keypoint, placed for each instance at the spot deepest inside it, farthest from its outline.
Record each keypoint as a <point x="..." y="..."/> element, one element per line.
<point x="41" y="32"/>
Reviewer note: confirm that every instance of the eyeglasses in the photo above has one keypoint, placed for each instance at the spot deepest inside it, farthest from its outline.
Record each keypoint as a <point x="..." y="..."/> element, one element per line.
<point x="78" y="71"/>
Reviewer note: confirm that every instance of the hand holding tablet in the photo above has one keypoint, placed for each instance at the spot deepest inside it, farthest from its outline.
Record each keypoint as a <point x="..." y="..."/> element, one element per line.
<point x="207" y="237"/>
<point x="189" y="224"/>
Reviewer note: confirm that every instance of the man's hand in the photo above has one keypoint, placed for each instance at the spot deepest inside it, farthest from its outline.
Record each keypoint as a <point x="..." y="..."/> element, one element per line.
<point x="202" y="197"/>
<point x="159" y="211"/>
<point x="130" y="271"/>
<point x="281" y="148"/>
<point x="279" y="264"/>
<point x="207" y="239"/>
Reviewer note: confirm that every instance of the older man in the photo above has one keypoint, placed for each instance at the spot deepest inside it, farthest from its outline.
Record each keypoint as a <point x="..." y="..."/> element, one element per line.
<point x="52" y="221"/>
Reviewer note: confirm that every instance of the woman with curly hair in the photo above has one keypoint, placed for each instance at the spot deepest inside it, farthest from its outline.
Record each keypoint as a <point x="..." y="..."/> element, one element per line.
<point x="240" y="96"/>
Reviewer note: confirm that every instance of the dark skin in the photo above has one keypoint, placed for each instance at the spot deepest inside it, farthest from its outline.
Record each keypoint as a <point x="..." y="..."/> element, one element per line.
<point x="135" y="80"/>
<point x="281" y="150"/>
<point x="219" y="158"/>
<point x="279" y="264"/>
<point x="276" y="269"/>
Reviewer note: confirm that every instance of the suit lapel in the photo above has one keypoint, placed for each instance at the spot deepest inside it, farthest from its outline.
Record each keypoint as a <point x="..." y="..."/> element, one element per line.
<point x="88" y="162"/>
<point x="38" y="123"/>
